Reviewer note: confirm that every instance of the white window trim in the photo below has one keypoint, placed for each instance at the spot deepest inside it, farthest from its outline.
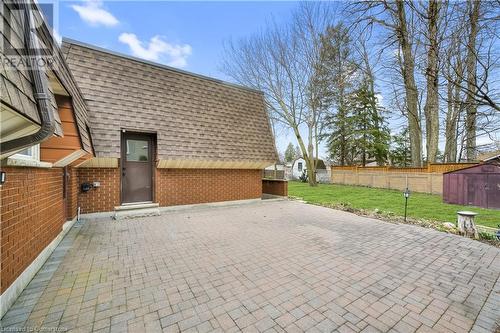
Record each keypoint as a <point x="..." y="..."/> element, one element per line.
<point x="21" y="160"/>
<point x="35" y="154"/>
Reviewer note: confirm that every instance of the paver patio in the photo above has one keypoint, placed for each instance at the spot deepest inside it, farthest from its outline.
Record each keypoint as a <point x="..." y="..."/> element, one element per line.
<point x="269" y="266"/>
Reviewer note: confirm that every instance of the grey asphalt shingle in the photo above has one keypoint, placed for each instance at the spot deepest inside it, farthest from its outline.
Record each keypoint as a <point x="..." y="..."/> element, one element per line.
<point x="194" y="117"/>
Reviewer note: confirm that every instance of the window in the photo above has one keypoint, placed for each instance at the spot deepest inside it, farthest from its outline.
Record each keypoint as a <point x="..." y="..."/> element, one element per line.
<point x="31" y="154"/>
<point x="137" y="150"/>
<point x="299" y="166"/>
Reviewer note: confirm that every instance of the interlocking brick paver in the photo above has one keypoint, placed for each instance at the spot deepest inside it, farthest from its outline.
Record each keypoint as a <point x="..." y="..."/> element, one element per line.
<point x="274" y="266"/>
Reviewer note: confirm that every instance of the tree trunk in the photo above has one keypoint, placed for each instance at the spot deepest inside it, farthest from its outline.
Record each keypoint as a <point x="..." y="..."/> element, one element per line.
<point x="454" y="111"/>
<point x="410" y="87"/>
<point x="470" y="104"/>
<point x="431" y="108"/>
<point x="316" y="148"/>
<point x="311" y="168"/>
<point x="306" y="156"/>
<point x="342" y="128"/>
<point x="450" y="149"/>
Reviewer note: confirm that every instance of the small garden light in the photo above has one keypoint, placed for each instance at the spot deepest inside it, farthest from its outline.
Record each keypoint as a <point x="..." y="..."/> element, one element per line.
<point x="406" y="194"/>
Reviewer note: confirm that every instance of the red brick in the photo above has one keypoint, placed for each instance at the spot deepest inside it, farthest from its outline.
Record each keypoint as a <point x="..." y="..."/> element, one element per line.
<point x="32" y="214"/>
<point x="275" y="187"/>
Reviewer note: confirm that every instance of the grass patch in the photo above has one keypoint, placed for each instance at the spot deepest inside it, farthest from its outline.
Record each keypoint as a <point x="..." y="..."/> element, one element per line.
<point x="389" y="202"/>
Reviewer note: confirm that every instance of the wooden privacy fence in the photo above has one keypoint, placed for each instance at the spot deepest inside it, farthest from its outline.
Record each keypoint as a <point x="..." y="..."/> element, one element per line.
<point x="430" y="168"/>
<point x="427" y="179"/>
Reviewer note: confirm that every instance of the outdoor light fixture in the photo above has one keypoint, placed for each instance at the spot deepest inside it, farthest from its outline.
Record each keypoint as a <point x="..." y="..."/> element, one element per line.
<point x="85" y="187"/>
<point x="406" y="194"/>
<point x="3" y="176"/>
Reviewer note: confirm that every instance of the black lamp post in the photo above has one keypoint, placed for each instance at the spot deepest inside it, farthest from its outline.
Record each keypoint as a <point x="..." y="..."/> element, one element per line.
<point x="406" y="194"/>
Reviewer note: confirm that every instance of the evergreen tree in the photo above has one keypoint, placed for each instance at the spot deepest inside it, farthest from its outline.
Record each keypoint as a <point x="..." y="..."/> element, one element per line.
<point x="290" y="153"/>
<point x="400" y="152"/>
<point x="358" y="131"/>
<point x="298" y="153"/>
<point x="336" y="72"/>
<point x="339" y="138"/>
<point x="371" y="136"/>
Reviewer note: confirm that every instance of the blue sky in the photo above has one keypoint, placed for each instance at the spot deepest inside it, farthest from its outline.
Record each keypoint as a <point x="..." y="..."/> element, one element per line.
<point x="202" y="26"/>
<point x="189" y="35"/>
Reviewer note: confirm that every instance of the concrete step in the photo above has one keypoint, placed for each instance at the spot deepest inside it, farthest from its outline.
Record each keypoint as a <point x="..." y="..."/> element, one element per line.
<point x="127" y="211"/>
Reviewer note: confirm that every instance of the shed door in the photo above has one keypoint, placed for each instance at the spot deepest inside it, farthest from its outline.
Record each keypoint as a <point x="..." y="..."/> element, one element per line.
<point x="493" y="191"/>
<point x="137" y="168"/>
<point x="476" y="189"/>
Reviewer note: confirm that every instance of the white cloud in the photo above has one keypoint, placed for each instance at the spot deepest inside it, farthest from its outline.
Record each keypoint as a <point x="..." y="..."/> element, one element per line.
<point x="94" y="14"/>
<point x="158" y="49"/>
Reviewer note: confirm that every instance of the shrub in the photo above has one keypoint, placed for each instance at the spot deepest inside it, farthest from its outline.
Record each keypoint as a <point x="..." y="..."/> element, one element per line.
<point x="303" y="177"/>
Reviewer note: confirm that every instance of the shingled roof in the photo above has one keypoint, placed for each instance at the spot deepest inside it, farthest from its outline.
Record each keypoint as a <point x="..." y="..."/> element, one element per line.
<point x="196" y="118"/>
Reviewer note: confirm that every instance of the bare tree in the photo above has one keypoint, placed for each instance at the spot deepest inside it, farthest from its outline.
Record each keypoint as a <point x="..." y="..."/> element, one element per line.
<point x="454" y="102"/>
<point x="280" y="61"/>
<point x="431" y="108"/>
<point x="309" y="24"/>
<point x="470" y="104"/>
<point x="470" y="69"/>
<point x="480" y="33"/>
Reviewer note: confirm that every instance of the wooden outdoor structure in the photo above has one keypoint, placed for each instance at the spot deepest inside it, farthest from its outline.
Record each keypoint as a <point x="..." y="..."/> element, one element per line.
<point x="430" y="168"/>
<point x="478" y="185"/>
<point x="428" y="179"/>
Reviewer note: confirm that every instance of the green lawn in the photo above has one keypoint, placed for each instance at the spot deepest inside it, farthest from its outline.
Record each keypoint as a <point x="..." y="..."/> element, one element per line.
<point x="420" y="205"/>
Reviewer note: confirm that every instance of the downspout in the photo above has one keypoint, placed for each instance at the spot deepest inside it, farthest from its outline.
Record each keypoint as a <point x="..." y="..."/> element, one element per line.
<point x="40" y="90"/>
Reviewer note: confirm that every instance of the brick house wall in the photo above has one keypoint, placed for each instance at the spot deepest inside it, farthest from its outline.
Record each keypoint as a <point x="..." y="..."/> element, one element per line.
<point x="172" y="187"/>
<point x="191" y="186"/>
<point x="103" y="198"/>
<point x="275" y="187"/>
<point x="32" y="214"/>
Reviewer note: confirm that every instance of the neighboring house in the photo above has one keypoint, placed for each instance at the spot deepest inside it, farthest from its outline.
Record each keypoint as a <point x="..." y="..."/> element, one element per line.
<point x="288" y="170"/>
<point x="489" y="156"/>
<point x="279" y="167"/>
<point x="370" y="164"/>
<point x="299" y="166"/>
<point x="114" y="130"/>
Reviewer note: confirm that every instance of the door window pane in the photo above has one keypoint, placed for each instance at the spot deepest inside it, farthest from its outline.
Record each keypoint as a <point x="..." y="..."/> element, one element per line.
<point x="137" y="151"/>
